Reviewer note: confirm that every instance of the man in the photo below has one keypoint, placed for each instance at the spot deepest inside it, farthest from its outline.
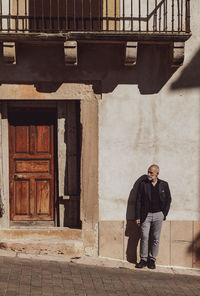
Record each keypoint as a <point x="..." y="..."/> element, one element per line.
<point x="152" y="206"/>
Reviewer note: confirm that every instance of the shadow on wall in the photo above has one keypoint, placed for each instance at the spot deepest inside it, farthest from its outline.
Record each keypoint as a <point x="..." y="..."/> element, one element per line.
<point x="151" y="73"/>
<point x="190" y="76"/>
<point x="72" y="137"/>
<point x="194" y="248"/>
<point x="188" y="79"/>
<point x="132" y="230"/>
<point x="97" y="62"/>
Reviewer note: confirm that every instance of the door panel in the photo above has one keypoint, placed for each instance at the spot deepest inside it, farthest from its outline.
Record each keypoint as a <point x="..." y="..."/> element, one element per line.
<point x="22" y="132"/>
<point x="22" y="189"/>
<point x="43" y="137"/>
<point x="32" y="166"/>
<point x="31" y="147"/>
<point x="43" y="196"/>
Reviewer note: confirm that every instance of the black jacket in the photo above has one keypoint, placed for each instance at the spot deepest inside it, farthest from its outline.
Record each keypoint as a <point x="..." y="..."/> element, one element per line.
<point x="144" y="198"/>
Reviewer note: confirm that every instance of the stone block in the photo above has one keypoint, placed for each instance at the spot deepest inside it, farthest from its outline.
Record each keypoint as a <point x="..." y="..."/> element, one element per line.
<point x="180" y="255"/>
<point x="164" y="249"/>
<point x="181" y="231"/>
<point x="111" y="239"/>
<point x="181" y="242"/>
<point x="131" y="242"/>
<point x="196" y="245"/>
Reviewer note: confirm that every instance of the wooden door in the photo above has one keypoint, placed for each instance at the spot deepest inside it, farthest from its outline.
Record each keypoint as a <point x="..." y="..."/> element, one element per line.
<point x="31" y="150"/>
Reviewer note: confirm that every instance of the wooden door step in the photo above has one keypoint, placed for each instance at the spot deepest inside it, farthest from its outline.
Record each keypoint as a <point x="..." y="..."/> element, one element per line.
<point x="47" y="247"/>
<point x="41" y="233"/>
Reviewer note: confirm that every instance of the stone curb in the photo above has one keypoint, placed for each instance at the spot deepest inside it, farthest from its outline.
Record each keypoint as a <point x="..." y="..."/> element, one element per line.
<point x="102" y="262"/>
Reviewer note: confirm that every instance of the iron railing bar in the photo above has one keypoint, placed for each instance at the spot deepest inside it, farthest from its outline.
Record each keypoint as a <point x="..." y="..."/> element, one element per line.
<point x="34" y="15"/>
<point x="50" y="15"/>
<point x="165" y="16"/>
<point x="155" y="17"/>
<point x="43" y="15"/>
<point x="181" y="15"/>
<point x="74" y="14"/>
<point x="82" y="15"/>
<point x="17" y="25"/>
<point x="23" y="24"/>
<point x="131" y="15"/>
<point x="100" y="15"/>
<point x="115" y="12"/>
<point x="9" y="18"/>
<point x="1" y="27"/>
<point x="160" y="18"/>
<point x="147" y="25"/>
<point x="107" y="20"/>
<point x="26" y="20"/>
<point x="90" y="13"/>
<point x="66" y="13"/>
<point x="139" y="16"/>
<point x="172" y="15"/>
<point x="58" y="15"/>
<point x="187" y="16"/>
<point x="178" y="14"/>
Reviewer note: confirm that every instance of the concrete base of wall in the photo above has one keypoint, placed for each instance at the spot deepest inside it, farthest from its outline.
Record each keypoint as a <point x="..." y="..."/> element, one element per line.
<point x="179" y="243"/>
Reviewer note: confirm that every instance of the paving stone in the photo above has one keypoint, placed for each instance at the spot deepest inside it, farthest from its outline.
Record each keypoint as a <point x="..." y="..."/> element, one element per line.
<point x="29" y="277"/>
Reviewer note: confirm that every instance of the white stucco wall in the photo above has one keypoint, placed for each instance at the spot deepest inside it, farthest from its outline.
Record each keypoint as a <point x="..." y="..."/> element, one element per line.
<point x="5" y="11"/>
<point x="147" y="13"/>
<point x="136" y="130"/>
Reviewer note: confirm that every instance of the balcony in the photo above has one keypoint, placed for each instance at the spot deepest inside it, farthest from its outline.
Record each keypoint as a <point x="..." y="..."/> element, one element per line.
<point x="132" y="20"/>
<point x="71" y="21"/>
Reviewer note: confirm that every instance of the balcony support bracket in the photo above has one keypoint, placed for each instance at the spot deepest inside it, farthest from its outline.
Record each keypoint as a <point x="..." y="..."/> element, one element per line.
<point x="131" y="53"/>
<point x="70" y="51"/>
<point x="9" y="53"/>
<point x="178" y="54"/>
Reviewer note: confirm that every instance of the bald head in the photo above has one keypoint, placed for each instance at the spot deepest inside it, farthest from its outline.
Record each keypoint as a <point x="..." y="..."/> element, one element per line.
<point x="154" y="167"/>
<point x="153" y="172"/>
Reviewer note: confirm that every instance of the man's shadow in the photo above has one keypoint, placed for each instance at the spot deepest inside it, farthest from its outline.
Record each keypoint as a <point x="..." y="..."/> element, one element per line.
<point x="132" y="230"/>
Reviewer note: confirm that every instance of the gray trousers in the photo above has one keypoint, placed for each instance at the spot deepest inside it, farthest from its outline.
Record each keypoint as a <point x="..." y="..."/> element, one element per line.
<point x="153" y="225"/>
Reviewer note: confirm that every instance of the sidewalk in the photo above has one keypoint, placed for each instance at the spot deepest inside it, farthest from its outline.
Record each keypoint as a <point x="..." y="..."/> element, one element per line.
<point x="54" y="276"/>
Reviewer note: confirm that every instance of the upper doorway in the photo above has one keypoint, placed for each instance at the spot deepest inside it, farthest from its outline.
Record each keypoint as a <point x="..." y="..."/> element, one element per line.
<point x="65" y="15"/>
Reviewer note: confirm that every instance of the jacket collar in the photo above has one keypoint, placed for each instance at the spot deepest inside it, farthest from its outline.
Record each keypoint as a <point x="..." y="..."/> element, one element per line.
<point x="148" y="187"/>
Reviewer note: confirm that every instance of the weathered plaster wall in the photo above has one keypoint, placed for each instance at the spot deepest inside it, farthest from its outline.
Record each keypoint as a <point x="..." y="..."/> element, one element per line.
<point x="157" y="119"/>
<point x="149" y="13"/>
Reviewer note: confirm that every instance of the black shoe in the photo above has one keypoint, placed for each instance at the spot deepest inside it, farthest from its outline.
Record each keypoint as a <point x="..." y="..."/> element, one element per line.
<point x="151" y="264"/>
<point x="141" y="264"/>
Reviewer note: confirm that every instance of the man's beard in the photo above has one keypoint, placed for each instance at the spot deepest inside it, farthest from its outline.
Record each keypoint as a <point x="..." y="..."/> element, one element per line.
<point x="151" y="178"/>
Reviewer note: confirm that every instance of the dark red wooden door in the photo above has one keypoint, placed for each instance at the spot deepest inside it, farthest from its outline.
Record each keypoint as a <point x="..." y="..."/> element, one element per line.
<point x="31" y="149"/>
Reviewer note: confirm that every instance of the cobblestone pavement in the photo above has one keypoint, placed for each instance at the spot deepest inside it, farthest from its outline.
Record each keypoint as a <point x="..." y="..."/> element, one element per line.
<point x="39" y="277"/>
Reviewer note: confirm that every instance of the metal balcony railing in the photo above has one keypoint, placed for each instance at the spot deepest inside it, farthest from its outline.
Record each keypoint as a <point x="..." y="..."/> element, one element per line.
<point x="53" y="16"/>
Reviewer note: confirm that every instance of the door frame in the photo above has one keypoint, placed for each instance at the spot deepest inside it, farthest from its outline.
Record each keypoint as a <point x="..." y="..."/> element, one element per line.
<point x="89" y="199"/>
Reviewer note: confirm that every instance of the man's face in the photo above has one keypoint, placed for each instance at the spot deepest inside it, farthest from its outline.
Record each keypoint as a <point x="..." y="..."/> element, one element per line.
<point x="152" y="173"/>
